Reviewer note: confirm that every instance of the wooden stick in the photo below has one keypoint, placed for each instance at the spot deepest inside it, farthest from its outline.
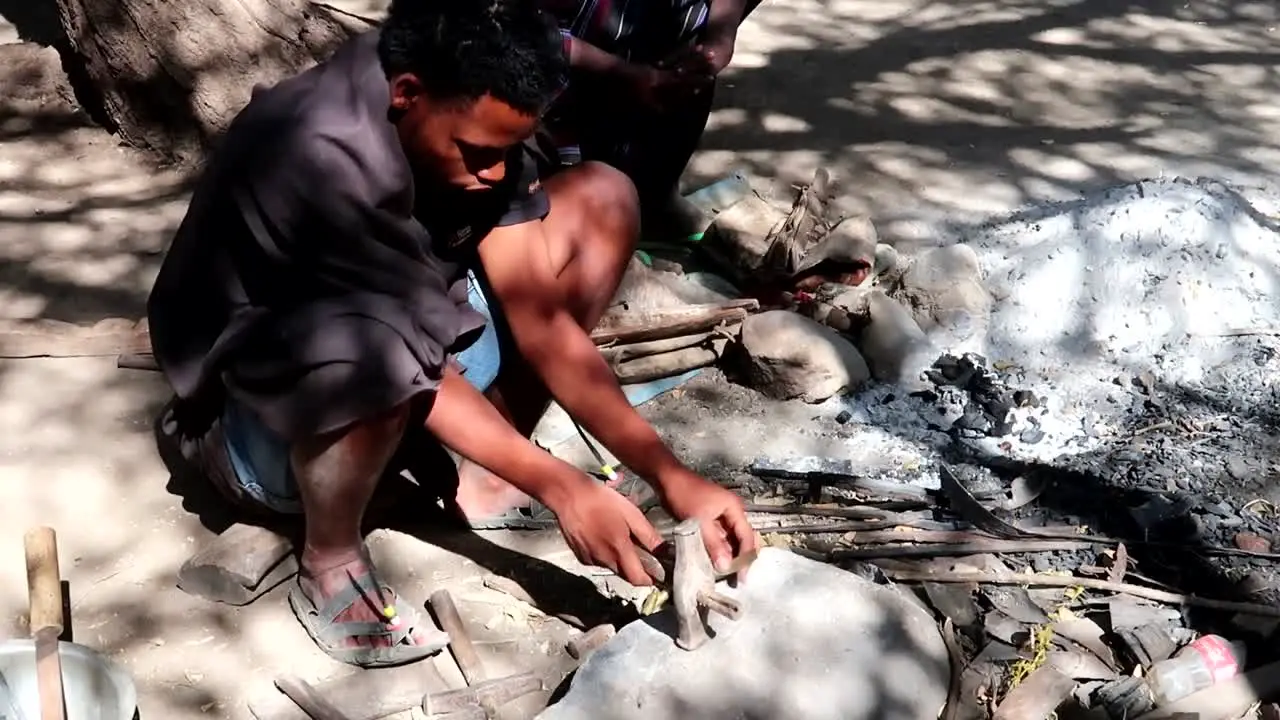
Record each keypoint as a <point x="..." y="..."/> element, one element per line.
<point x="582" y="645"/>
<point x="360" y="695"/>
<point x="44" y="584"/>
<point x="1040" y="580"/>
<point x="977" y="547"/>
<point x="917" y="535"/>
<point x="464" y="653"/>
<point x="670" y="364"/>
<point x="622" y="353"/>
<point x="615" y="318"/>
<point x="138" y="361"/>
<point x="957" y="658"/>
<point x="306" y="697"/>
<point x="670" y="329"/>
<point x="866" y="530"/>
<point x="851" y="513"/>
<point x="48" y="338"/>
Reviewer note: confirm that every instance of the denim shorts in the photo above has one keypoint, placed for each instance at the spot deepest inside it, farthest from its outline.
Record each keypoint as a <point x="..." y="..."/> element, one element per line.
<point x="260" y="457"/>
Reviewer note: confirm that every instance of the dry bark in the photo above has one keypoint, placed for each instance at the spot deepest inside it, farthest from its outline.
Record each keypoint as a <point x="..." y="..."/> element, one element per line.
<point x="169" y="76"/>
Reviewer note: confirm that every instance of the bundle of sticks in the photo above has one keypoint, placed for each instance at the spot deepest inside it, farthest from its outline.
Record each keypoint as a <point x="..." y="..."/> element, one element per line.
<point x="644" y="345"/>
<point x="640" y="345"/>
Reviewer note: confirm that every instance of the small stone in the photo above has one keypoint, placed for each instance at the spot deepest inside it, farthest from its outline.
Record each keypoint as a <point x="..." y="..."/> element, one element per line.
<point x="1025" y="398"/>
<point x="1238" y="468"/>
<point x="844" y="417"/>
<point x="1250" y="542"/>
<point x="1220" y="509"/>
<point x="1146" y="381"/>
<point x="944" y="289"/>
<point x="893" y="344"/>
<point x="784" y="356"/>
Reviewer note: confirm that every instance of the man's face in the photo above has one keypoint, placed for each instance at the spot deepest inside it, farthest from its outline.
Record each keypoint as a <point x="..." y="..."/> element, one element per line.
<point x="463" y="144"/>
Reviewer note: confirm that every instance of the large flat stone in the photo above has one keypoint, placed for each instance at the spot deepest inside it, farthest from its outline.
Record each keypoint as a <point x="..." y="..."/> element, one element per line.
<point x="814" y="643"/>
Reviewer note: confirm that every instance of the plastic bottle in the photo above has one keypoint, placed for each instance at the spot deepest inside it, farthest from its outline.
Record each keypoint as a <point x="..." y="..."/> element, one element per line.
<point x="1203" y="663"/>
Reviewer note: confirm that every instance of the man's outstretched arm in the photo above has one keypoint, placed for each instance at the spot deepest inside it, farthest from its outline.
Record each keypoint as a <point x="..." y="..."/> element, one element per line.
<point x="561" y="353"/>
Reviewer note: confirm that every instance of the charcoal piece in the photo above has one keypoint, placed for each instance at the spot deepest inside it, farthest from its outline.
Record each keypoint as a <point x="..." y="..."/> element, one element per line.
<point x="1025" y="398"/>
<point x="1125" y="698"/>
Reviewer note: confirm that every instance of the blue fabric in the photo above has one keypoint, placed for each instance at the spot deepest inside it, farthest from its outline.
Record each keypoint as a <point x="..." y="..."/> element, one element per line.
<point x="260" y="457"/>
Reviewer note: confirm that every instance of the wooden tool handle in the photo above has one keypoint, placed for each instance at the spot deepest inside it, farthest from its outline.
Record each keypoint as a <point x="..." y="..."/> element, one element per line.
<point x="459" y="642"/>
<point x="44" y="583"/>
<point x="315" y="705"/>
<point x="45" y="587"/>
<point x="721" y="604"/>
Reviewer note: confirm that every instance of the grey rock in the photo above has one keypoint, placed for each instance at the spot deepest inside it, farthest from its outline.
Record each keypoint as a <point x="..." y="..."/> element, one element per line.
<point x="813" y="643"/>
<point x="784" y="356"/>
<point x="894" y="345"/>
<point x="944" y="289"/>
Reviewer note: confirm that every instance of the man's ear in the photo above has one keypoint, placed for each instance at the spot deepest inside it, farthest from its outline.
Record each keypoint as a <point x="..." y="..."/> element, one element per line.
<point x="406" y="89"/>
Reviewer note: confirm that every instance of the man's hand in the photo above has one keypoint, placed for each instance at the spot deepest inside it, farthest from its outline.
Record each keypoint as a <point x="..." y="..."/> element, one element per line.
<point x="725" y="528"/>
<point x="602" y="528"/>
<point x="707" y="59"/>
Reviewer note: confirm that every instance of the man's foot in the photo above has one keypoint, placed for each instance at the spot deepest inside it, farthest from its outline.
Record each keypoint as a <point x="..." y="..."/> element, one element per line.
<point x="355" y="619"/>
<point x="487" y="502"/>
<point x="481" y="494"/>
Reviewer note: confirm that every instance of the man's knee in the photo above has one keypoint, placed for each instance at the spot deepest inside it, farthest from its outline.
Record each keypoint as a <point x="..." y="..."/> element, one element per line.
<point x="603" y="198"/>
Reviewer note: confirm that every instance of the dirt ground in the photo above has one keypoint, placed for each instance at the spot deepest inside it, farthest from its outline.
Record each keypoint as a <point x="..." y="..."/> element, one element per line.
<point x="933" y="115"/>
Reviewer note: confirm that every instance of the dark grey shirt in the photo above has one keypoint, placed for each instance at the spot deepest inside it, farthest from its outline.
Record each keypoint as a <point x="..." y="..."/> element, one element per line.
<point x="308" y="244"/>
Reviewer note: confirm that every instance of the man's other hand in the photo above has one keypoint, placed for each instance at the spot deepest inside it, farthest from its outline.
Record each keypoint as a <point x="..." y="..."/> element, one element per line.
<point x="603" y="528"/>
<point x="725" y="527"/>
<point x="655" y="87"/>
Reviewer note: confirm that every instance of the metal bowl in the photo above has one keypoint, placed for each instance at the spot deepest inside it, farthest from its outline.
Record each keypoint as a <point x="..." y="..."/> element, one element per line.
<point x="94" y="687"/>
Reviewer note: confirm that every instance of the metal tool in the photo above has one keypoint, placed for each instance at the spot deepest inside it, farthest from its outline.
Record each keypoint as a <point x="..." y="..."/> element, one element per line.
<point x="684" y="568"/>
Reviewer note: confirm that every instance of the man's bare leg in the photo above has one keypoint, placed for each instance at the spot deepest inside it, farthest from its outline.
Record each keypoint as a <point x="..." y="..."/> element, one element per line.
<point x="591" y="232"/>
<point x="337" y="474"/>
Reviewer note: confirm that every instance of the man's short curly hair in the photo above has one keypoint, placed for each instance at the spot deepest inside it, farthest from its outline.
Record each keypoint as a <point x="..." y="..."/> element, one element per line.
<point x="465" y="49"/>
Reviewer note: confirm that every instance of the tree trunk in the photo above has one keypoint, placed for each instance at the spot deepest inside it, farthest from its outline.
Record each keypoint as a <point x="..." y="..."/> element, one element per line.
<point x="168" y="75"/>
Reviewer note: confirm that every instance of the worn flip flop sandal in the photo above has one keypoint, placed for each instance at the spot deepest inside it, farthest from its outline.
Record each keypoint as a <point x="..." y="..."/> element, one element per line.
<point x="333" y="637"/>
<point x="535" y="517"/>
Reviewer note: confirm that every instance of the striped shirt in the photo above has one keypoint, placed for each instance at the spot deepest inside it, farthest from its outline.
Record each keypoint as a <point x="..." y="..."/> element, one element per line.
<point x="638" y="30"/>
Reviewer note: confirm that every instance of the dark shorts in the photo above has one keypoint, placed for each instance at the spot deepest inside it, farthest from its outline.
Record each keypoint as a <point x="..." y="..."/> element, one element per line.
<point x="249" y="462"/>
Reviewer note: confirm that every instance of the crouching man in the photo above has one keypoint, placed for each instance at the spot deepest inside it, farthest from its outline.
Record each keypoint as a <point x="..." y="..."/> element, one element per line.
<point x="377" y="254"/>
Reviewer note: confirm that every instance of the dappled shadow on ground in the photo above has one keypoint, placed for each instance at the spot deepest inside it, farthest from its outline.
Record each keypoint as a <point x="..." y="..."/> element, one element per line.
<point x="931" y="113"/>
<point x="928" y="109"/>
